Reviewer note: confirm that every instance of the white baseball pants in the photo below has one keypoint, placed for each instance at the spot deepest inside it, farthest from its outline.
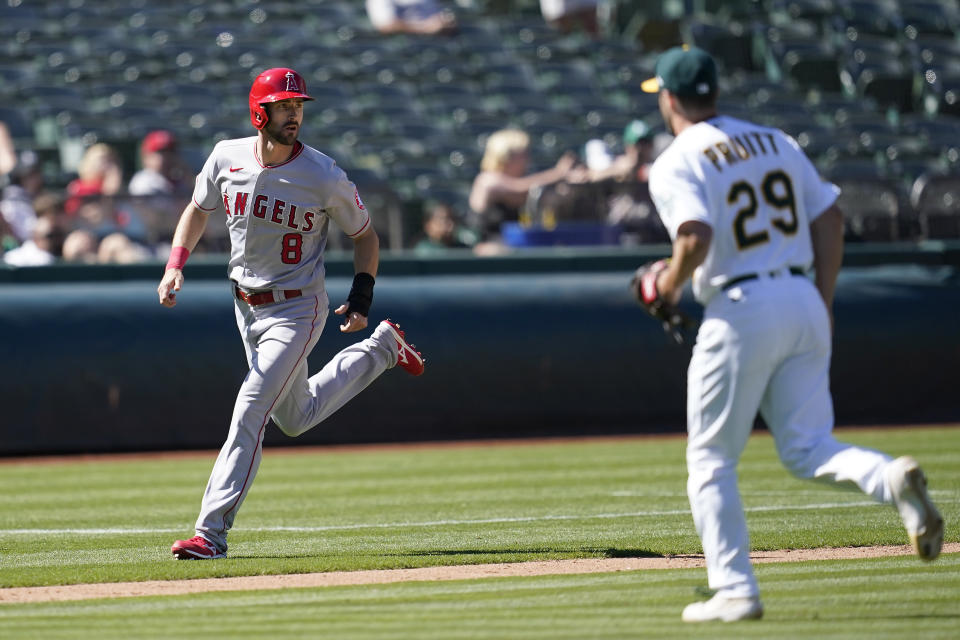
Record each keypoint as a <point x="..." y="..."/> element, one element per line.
<point x="763" y="345"/>
<point x="277" y="339"/>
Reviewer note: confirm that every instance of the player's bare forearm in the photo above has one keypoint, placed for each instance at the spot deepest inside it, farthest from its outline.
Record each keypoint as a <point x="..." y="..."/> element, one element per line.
<point x="366" y="253"/>
<point x="826" y="236"/>
<point x="689" y="251"/>
<point x="192" y="224"/>
<point x="190" y="228"/>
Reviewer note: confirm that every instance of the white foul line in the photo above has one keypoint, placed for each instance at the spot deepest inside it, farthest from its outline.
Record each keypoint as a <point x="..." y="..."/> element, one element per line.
<point x="432" y="523"/>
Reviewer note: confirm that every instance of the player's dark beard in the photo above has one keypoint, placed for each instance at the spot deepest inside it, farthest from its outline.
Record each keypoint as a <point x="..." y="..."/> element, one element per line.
<point x="280" y="135"/>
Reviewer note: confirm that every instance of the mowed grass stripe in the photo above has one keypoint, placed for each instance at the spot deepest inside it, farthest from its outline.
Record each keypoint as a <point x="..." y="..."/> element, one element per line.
<point x="849" y="599"/>
<point x="438" y="523"/>
<point x="488" y="503"/>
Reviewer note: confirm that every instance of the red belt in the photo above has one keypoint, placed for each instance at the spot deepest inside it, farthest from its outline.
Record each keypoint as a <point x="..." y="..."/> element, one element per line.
<point x="266" y="297"/>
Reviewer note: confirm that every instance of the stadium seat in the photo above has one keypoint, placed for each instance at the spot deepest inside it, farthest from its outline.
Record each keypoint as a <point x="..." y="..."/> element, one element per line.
<point x="935" y="199"/>
<point x="727" y="9"/>
<point x="939" y="53"/>
<point x="928" y="18"/>
<point x="809" y="63"/>
<point x="867" y="50"/>
<point x="731" y="43"/>
<point x="819" y="12"/>
<point x="942" y="94"/>
<point x="871" y="209"/>
<point x="890" y="84"/>
<point x="57" y="97"/>
<point x="939" y="137"/>
<point x="877" y="17"/>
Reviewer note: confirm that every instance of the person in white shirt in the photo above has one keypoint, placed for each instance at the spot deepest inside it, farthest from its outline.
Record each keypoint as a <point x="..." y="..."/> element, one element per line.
<point x="423" y="17"/>
<point x="16" y="207"/>
<point x="43" y="247"/>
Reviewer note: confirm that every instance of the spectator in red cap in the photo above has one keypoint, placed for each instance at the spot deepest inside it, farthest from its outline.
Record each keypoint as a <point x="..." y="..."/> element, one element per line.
<point x="162" y="172"/>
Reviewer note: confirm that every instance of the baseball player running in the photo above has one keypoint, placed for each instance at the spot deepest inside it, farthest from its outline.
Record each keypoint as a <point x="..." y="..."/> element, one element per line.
<point x="748" y="216"/>
<point x="278" y="197"/>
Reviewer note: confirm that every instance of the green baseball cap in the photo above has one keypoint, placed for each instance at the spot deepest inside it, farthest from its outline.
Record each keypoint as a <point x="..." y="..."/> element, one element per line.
<point x="637" y="130"/>
<point x="684" y="71"/>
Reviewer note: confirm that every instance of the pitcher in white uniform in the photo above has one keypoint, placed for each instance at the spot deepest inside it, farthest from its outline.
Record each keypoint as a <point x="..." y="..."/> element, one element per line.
<point x="749" y="216"/>
<point x="277" y="197"/>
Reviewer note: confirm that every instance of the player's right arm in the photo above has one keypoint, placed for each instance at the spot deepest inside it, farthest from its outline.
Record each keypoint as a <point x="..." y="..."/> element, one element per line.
<point x="826" y="236"/>
<point x="690" y="249"/>
<point x="193" y="222"/>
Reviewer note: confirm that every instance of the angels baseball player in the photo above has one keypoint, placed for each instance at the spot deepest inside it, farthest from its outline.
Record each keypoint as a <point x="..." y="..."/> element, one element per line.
<point x="278" y="197"/>
<point x="748" y="216"/>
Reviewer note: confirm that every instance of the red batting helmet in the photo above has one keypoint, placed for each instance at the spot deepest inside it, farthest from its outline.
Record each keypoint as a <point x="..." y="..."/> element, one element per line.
<point x="274" y="85"/>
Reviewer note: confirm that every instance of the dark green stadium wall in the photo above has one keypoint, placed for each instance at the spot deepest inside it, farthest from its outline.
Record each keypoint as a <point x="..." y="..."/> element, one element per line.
<point x="516" y="347"/>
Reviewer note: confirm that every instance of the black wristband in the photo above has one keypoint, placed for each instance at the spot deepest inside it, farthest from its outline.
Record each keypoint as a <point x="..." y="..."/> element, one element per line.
<point x="361" y="294"/>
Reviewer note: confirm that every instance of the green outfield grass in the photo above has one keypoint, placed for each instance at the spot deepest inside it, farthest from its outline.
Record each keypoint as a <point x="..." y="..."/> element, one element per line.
<point x="106" y="521"/>
<point x="892" y="598"/>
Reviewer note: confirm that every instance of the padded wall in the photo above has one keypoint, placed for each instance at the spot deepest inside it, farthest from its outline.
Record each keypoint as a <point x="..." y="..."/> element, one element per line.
<point x="100" y="366"/>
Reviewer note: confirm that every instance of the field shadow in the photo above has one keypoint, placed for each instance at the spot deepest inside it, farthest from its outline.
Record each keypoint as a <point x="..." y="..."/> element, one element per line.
<point x="595" y="552"/>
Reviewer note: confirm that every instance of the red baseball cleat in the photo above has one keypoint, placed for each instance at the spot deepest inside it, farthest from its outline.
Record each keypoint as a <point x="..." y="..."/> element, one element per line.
<point x="196" y="548"/>
<point x="408" y="357"/>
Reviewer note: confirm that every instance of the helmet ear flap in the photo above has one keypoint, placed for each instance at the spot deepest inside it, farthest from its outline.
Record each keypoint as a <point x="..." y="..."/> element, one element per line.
<point x="258" y="116"/>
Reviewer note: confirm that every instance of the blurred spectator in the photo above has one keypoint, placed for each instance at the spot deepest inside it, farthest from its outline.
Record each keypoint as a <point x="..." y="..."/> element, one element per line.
<point x="633" y="164"/>
<point x="91" y="198"/>
<point x="80" y="246"/>
<point x="16" y="207"/>
<point x="49" y="204"/>
<point x="7" y="239"/>
<point x="628" y="196"/>
<point x="502" y="187"/>
<point x="44" y="246"/>
<point x="99" y="174"/>
<point x="162" y="171"/>
<point x="423" y="17"/>
<point x="570" y="15"/>
<point x="8" y="153"/>
<point x="442" y="231"/>
<point x="119" y="249"/>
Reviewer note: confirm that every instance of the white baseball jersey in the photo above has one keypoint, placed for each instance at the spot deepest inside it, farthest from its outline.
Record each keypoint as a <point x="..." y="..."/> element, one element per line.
<point x="278" y="216"/>
<point x="749" y="179"/>
<point x="764" y="345"/>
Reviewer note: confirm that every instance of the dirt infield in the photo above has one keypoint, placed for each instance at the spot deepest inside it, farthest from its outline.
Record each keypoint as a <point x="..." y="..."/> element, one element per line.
<point x="462" y="572"/>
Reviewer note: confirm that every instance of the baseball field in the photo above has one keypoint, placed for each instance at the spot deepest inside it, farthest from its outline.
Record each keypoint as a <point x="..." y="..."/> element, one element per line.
<point x="583" y="538"/>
